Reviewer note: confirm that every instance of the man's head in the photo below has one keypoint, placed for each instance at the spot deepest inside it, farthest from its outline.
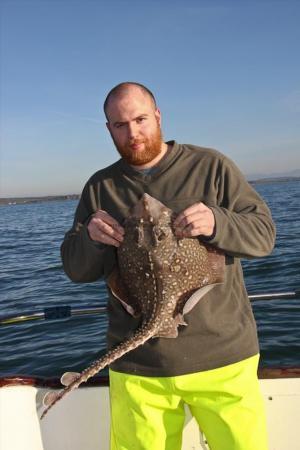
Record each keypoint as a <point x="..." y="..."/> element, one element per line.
<point x="133" y="121"/>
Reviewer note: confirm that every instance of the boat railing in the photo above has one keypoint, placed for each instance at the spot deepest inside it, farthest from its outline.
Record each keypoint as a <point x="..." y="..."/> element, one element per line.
<point x="66" y="311"/>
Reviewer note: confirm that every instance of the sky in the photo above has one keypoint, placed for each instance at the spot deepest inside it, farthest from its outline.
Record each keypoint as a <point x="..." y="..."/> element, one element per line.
<point x="225" y="73"/>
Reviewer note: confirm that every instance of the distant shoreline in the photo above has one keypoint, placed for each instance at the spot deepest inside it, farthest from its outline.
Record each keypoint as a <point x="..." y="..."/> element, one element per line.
<point x="274" y="180"/>
<point x="26" y="200"/>
<point x="51" y="198"/>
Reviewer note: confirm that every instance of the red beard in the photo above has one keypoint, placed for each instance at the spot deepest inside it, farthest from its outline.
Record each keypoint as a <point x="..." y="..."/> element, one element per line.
<point x="152" y="148"/>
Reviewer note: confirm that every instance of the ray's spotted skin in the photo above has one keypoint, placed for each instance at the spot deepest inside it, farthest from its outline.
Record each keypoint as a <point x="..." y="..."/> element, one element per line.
<point x="159" y="278"/>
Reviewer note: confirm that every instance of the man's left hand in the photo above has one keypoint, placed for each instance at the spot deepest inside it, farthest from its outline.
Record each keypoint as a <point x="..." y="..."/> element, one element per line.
<point x="196" y="220"/>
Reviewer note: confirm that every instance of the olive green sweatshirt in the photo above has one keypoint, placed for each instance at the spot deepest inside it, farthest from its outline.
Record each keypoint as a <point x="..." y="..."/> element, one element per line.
<point x="221" y="328"/>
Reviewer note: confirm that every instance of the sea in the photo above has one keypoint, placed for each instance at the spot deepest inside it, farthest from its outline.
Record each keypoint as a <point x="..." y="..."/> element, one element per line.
<point x="32" y="279"/>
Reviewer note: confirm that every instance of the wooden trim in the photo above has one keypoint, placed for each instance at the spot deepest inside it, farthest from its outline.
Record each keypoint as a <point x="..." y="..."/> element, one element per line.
<point x="278" y="372"/>
<point x="48" y="382"/>
<point x="263" y="373"/>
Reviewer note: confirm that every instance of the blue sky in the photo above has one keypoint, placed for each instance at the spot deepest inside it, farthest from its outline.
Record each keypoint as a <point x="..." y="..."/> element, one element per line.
<point x="226" y="74"/>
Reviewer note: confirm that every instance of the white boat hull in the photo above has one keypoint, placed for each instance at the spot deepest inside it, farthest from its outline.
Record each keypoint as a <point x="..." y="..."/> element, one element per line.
<point x="81" y="420"/>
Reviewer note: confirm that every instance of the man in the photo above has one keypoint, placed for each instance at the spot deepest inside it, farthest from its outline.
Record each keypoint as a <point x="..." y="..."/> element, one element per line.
<point x="212" y="364"/>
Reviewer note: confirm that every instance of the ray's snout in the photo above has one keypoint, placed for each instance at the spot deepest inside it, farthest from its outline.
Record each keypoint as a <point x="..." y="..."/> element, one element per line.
<point x="148" y="209"/>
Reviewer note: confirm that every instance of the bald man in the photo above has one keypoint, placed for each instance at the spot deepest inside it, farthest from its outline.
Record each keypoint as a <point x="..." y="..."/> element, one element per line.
<point x="212" y="365"/>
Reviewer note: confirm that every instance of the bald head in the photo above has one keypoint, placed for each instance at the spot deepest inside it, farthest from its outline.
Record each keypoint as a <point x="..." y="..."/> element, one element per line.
<point x="122" y="90"/>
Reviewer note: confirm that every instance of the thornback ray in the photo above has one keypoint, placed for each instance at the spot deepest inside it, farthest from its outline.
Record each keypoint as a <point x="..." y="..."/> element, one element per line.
<point x="159" y="278"/>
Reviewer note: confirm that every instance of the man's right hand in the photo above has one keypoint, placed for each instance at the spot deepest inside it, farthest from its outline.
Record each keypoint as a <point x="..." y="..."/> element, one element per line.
<point x="105" y="229"/>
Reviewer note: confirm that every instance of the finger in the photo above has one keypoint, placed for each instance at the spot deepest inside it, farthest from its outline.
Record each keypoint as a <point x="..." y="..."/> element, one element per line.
<point x="186" y="220"/>
<point x="197" y="217"/>
<point x="101" y="232"/>
<point x="105" y="223"/>
<point x="191" y="210"/>
<point x="110" y="241"/>
<point x="201" y="224"/>
<point x="105" y="217"/>
<point x="193" y="229"/>
<point x="103" y="238"/>
<point x="110" y="230"/>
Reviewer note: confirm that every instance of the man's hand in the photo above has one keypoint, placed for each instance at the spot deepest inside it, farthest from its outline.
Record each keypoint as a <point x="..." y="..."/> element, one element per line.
<point x="196" y="220"/>
<point x="105" y="229"/>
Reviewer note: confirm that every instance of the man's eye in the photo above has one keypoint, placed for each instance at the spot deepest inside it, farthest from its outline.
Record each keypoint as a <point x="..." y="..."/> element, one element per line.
<point x="140" y="119"/>
<point x="119" y="125"/>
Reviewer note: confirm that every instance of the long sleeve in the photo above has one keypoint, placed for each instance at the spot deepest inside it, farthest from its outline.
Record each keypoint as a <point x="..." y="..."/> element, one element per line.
<point x="83" y="259"/>
<point x="244" y="226"/>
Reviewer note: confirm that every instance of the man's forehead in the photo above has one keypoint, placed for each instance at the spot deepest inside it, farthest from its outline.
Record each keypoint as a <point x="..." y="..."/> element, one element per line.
<point x="131" y="100"/>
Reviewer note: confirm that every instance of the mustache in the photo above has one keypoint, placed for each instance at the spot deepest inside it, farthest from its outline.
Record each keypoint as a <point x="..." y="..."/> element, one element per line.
<point x="136" y="141"/>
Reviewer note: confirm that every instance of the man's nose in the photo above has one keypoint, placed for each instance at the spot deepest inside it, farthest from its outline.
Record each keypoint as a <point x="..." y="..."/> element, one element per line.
<point x="132" y="130"/>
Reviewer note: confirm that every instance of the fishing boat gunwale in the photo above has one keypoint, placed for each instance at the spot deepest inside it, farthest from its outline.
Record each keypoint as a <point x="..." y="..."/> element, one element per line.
<point x="54" y="382"/>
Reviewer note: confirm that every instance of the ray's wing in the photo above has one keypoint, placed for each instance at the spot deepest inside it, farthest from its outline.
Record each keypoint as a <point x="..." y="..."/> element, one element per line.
<point x="196" y="297"/>
<point x="120" y="291"/>
<point x="216" y="260"/>
<point x="216" y="275"/>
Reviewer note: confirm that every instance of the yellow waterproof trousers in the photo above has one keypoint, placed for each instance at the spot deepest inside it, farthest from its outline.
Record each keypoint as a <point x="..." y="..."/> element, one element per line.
<point x="147" y="413"/>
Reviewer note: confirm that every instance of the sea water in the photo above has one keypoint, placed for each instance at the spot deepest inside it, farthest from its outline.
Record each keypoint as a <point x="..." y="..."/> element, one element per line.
<point x="32" y="278"/>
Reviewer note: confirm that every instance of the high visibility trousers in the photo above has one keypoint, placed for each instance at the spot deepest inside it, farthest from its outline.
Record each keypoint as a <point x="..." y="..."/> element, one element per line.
<point x="147" y="413"/>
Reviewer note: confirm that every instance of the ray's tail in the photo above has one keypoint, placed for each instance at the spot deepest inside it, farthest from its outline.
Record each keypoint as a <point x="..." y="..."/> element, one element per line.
<point x="138" y="338"/>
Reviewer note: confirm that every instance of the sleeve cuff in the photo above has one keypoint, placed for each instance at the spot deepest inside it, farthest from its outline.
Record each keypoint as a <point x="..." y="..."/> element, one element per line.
<point x="87" y="237"/>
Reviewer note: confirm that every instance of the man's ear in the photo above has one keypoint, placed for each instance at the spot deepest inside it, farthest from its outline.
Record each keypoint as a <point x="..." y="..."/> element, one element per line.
<point x="157" y="114"/>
